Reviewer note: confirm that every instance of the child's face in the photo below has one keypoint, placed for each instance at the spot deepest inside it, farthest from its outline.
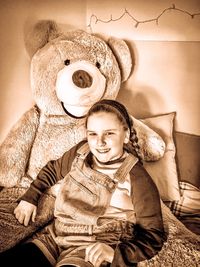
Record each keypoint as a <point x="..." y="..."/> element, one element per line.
<point x="106" y="136"/>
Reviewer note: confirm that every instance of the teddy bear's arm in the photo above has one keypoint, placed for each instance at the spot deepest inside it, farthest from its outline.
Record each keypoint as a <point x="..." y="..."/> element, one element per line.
<point x="14" y="151"/>
<point x="152" y="146"/>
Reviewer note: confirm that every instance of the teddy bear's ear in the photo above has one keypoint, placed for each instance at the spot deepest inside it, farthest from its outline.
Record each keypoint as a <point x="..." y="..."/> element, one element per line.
<point x="123" y="56"/>
<point x="42" y="32"/>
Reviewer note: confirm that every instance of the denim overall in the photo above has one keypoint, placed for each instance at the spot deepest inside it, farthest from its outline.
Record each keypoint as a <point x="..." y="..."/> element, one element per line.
<point x="80" y="204"/>
<point x="83" y="198"/>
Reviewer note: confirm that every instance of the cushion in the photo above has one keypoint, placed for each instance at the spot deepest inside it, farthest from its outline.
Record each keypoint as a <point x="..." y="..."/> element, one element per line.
<point x="189" y="203"/>
<point x="187" y="209"/>
<point x="164" y="171"/>
<point x="188" y="157"/>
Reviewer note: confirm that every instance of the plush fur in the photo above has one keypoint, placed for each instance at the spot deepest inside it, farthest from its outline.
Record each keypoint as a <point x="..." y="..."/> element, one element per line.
<point x="62" y="94"/>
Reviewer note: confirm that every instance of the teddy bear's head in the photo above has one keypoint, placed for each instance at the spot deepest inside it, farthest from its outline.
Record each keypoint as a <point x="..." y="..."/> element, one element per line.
<point x="70" y="72"/>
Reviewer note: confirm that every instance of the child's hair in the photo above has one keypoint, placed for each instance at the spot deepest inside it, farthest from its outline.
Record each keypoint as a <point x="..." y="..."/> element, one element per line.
<point x="115" y="107"/>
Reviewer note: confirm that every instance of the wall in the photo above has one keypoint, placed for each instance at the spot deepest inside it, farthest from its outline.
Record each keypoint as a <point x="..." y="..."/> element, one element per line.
<point x="167" y="59"/>
<point x="16" y="16"/>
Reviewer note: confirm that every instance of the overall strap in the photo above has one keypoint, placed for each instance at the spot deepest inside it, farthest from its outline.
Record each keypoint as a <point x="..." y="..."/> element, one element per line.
<point x="81" y="153"/>
<point x="84" y="150"/>
<point x="125" y="168"/>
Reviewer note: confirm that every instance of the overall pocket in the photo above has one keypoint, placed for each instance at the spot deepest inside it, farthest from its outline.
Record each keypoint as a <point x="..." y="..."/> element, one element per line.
<point x="79" y="199"/>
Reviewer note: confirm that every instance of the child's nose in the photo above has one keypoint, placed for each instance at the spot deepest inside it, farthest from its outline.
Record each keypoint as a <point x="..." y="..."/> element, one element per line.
<point x="101" y="140"/>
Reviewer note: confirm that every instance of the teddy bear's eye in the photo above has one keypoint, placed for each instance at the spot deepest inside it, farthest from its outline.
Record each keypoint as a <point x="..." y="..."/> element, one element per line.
<point x="67" y="62"/>
<point x="98" y="65"/>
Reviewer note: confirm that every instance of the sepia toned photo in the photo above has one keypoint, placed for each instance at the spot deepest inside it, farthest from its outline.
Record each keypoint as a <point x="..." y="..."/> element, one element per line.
<point x="99" y="133"/>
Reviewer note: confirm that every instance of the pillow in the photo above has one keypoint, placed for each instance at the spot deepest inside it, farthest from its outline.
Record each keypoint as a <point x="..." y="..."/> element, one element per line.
<point x="187" y="209"/>
<point x="189" y="203"/>
<point x="164" y="171"/>
<point x="188" y="157"/>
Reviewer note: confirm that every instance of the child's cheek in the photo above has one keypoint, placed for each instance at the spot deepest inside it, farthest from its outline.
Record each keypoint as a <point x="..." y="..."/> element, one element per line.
<point x="92" y="141"/>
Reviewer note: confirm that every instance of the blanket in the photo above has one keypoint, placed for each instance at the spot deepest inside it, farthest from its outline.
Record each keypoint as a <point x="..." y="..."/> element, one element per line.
<point x="182" y="247"/>
<point x="11" y="231"/>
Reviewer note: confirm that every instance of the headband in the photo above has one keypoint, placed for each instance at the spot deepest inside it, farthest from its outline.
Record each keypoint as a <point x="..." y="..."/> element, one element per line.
<point x="120" y="108"/>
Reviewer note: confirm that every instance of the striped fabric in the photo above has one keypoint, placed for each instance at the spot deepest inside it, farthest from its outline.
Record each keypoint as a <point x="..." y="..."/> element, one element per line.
<point x="189" y="202"/>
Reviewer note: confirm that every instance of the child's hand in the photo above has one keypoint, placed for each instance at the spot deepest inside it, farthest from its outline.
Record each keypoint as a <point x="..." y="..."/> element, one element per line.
<point x="99" y="252"/>
<point x="24" y="212"/>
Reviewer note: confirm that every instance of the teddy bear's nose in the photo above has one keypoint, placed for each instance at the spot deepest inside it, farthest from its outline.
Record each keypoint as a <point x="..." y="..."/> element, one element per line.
<point x="82" y="79"/>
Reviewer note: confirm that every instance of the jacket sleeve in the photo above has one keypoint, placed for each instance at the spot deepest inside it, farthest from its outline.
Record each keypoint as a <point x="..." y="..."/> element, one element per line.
<point x="149" y="235"/>
<point x="49" y="175"/>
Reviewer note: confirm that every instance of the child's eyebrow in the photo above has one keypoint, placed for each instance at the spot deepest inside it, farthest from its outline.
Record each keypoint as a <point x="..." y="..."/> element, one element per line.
<point x="107" y="130"/>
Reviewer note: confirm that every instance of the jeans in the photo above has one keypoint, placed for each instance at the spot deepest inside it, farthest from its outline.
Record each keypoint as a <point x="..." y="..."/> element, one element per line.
<point x="109" y="232"/>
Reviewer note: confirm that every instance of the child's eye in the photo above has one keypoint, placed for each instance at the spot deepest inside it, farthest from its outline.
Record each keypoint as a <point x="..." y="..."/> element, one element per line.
<point x="92" y="134"/>
<point x="110" y="133"/>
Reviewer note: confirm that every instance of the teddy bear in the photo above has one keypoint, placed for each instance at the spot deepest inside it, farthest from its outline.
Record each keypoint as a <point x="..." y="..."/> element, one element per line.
<point x="69" y="72"/>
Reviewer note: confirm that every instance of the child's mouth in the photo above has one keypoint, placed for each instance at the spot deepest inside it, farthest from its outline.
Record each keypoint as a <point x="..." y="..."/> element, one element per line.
<point x="102" y="151"/>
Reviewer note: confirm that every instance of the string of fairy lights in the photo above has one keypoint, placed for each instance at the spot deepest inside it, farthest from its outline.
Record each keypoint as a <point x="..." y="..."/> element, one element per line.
<point x="94" y="19"/>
